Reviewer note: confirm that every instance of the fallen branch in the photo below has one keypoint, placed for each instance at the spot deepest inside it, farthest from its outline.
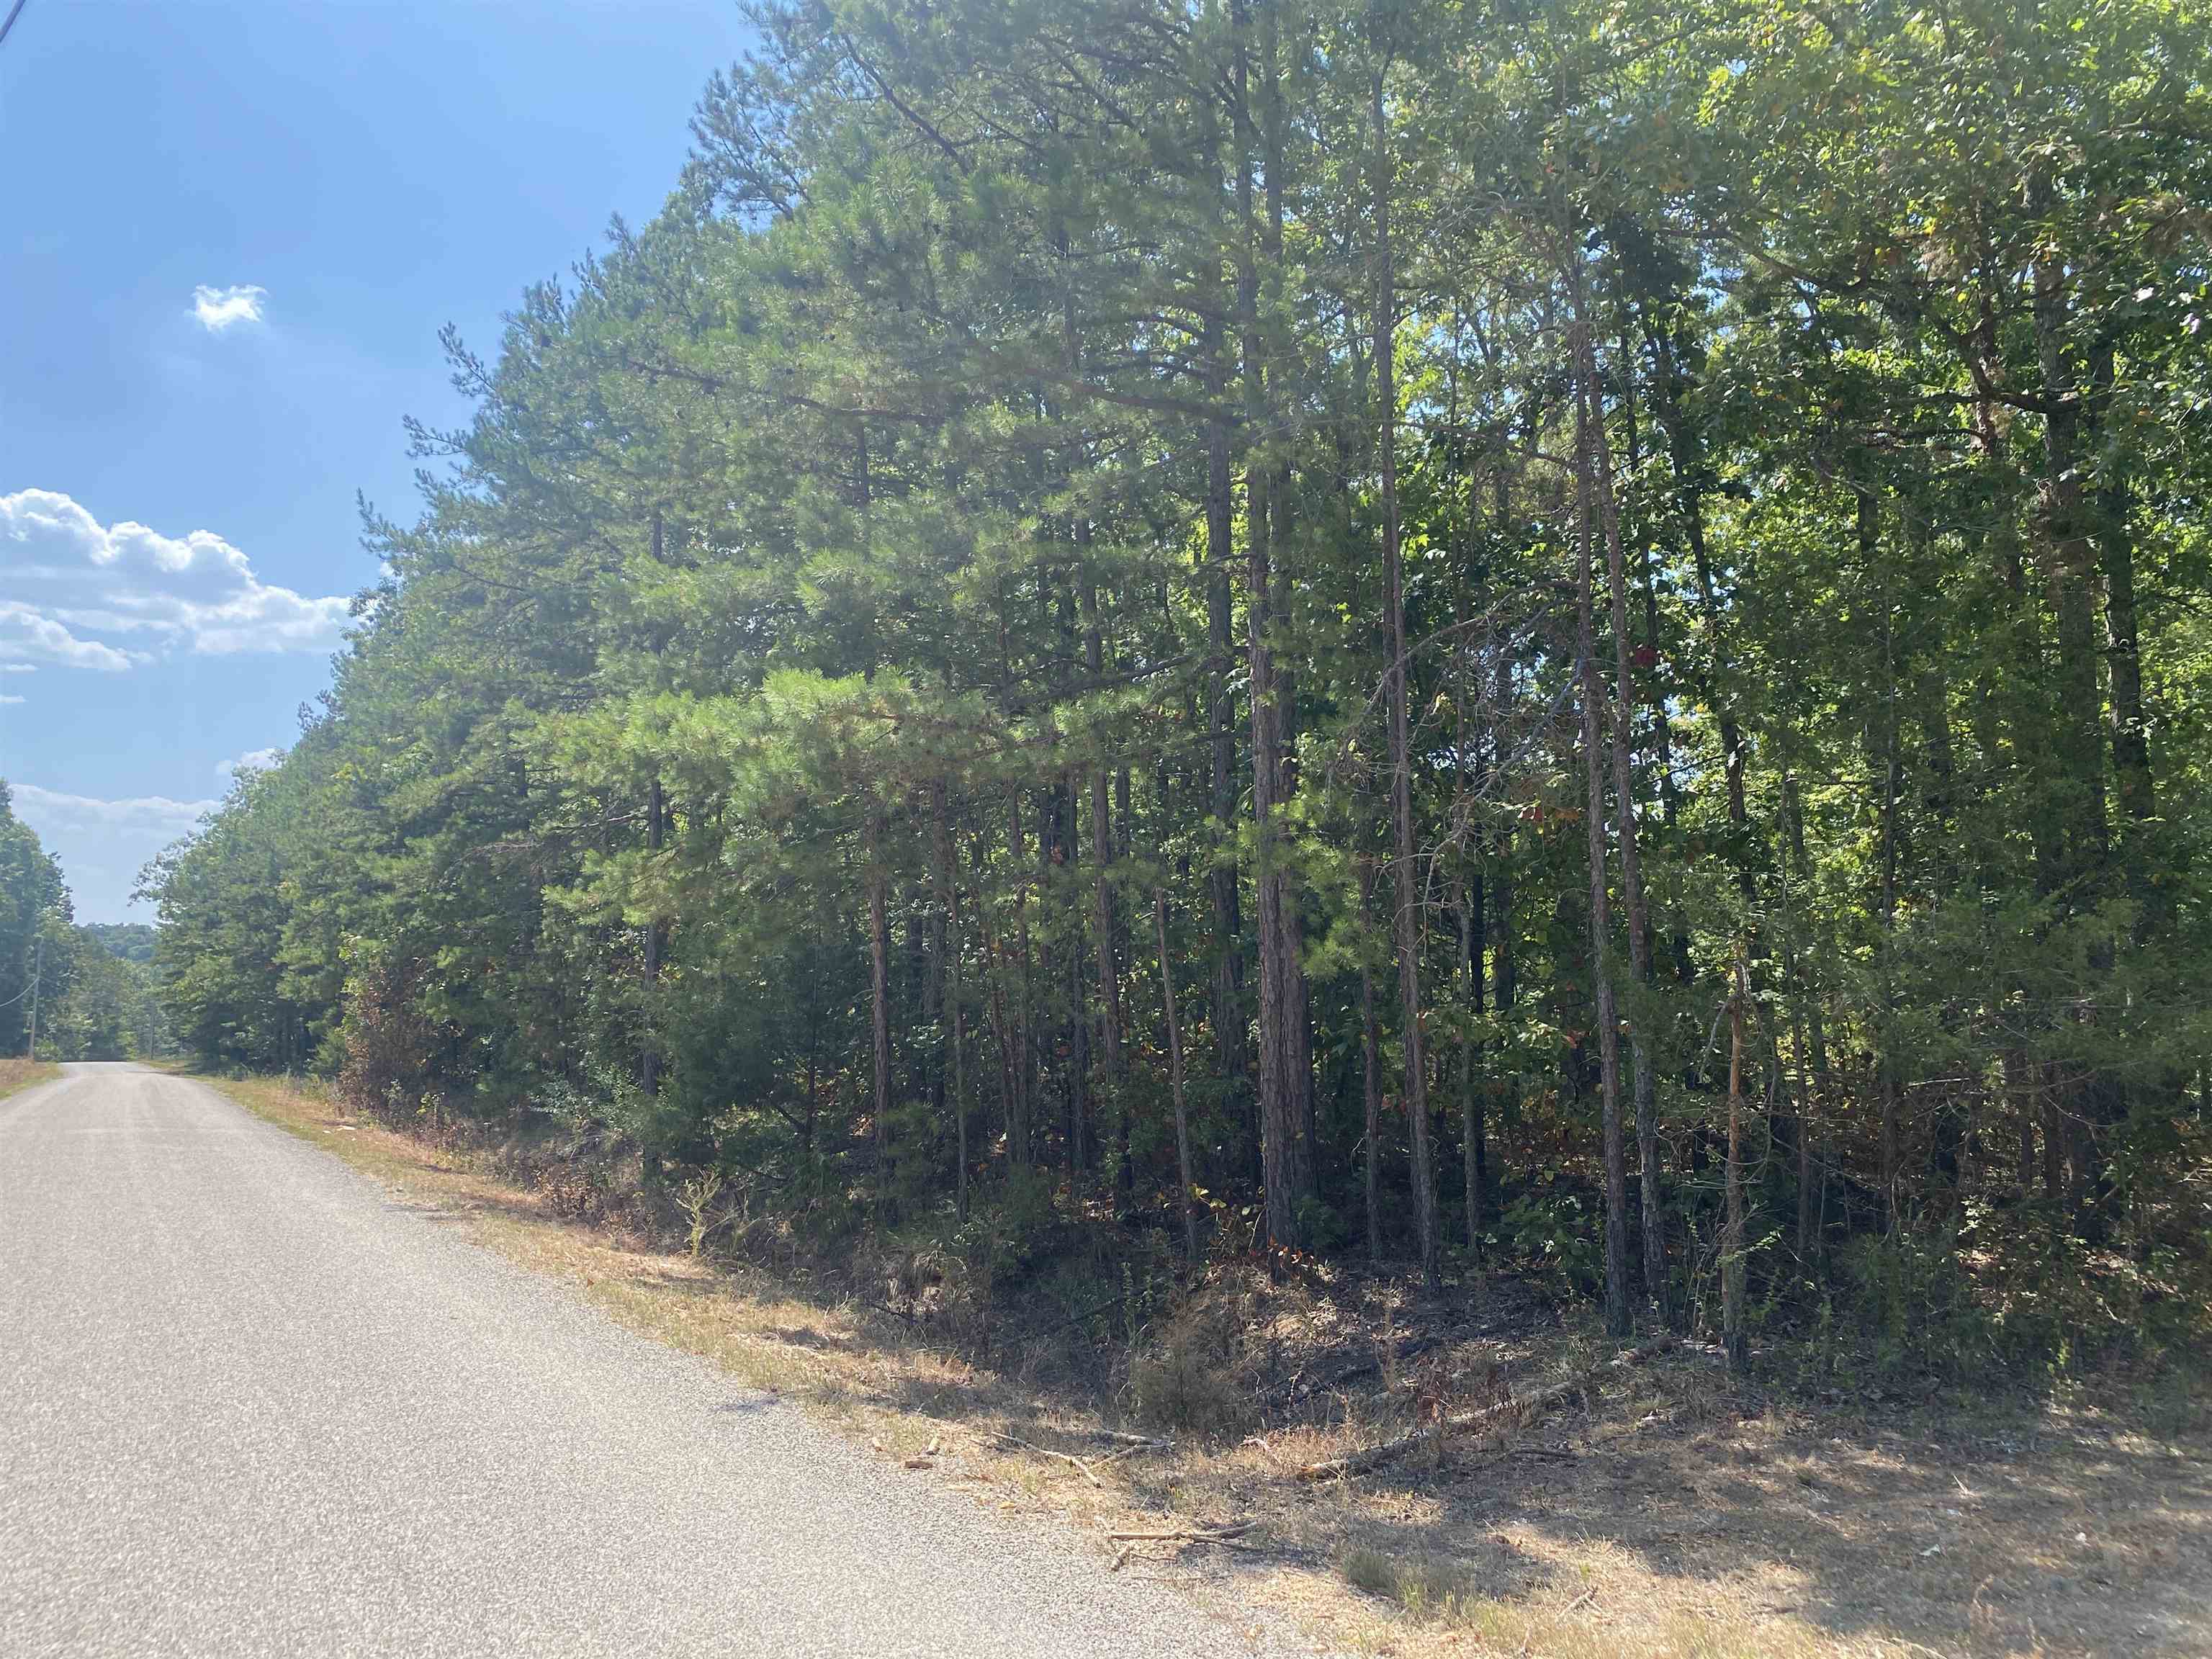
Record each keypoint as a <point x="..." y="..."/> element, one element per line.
<point x="1134" y="1449"/>
<point x="1490" y="1426"/>
<point x="1060" y="1325"/>
<point x="1300" y="1392"/>
<point x="1259" y="1443"/>
<point x="1070" y="1458"/>
<point x="1549" y="1454"/>
<point x="1228" y="1537"/>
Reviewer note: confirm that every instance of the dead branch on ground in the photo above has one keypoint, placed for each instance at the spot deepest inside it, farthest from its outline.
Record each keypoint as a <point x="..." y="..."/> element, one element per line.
<point x="1490" y="1426"/>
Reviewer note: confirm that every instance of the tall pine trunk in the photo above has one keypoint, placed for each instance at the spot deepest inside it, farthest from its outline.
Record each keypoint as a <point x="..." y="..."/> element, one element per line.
<point x="1470" y="1117"/>
<point x="1598" y="455"/>
<point x="1229" y="1008"/>
<point x="656" y="933"/>
<point x="1187" y="1200"/>
<point x="1617" y="1315"/>
<point x="1102" y="851"/>
<point x="879" y="1009"/>
<point x="955" y="1011"/>
<point x="1023" y="1106"/>
<point x="1732" y="1244"/>
<point x="1405" y="921"/>
<point x="1370" y="1054"/>
<point x="1281" y="1104"/>
<point x="2131" y="734"/>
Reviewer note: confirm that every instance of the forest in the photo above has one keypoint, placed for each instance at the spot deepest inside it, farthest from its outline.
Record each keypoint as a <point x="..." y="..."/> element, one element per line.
<point x="1535" y="634"/>
<point x="90" y="988"/>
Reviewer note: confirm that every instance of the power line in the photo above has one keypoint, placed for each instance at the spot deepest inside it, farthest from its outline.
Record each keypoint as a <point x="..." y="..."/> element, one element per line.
<point x="14" y="12"/>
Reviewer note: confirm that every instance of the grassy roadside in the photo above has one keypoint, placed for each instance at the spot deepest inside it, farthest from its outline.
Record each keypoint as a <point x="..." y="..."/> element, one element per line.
<point x="1662" y="1511"/>
<point x="17" y="1073"/>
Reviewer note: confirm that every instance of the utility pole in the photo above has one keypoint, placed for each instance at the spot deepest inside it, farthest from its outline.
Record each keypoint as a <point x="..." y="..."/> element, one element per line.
<point x="38" y="971"/>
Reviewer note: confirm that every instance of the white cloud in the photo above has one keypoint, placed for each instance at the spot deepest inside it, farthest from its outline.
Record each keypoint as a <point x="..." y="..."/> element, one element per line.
<point x="43" y="807"/>
<point x="5" y="699"/>
<point x="122" y="578"/>
<point x="27" y="638"/>
<point x="259" y="761"/>
<point x="219" y="308"/>
<point x="103" y="844"/>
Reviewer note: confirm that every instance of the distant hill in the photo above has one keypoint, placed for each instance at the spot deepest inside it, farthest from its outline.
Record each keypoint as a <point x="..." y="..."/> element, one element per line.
<point x="133" y="941"/>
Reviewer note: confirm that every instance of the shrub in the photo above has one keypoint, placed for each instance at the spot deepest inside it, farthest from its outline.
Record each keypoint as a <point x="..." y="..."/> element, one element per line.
<point x="389" y="1047"/>
<point x="1188" y="1376"/>
<point x="1556" y="1232"/>
<point x="1916" y="1305"/>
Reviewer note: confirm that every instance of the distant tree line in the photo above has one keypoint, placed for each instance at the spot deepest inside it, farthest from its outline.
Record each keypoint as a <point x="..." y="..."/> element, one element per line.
<point x="93" y="995"/>
<point x="1552" y="632"/>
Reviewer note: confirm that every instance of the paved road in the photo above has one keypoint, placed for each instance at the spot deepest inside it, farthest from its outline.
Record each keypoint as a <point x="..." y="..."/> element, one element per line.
<point x="249" y="1405"/>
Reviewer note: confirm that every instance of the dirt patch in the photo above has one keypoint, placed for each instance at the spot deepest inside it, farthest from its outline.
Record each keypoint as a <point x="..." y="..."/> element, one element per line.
<point x="1662" y="1508"/>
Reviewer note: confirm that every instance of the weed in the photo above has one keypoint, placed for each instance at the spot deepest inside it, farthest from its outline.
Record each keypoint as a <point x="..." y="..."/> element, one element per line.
<point x="1187" y="1378"/>
<point x="695" y="1201"/>
<point x="1426" y="1587"/>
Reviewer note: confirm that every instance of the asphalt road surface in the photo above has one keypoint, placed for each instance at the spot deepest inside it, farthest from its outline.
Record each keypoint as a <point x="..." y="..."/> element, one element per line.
<point x="250" y="1404"/>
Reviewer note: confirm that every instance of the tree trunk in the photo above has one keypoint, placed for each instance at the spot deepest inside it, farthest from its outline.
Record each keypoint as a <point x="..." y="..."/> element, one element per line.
<point x="1406" y="926"/>
<point x="1066" y="815"/>
<point x="1793" y="849"/>
<point x="1230" y="1015"/>
<point x="1505" y="958"/>
<point x="955" y="1012"/>
<point x="1281" y="1107"/>
<point x="1102" y="845"/>
<point x="2124" y="656"/>
<point x="2071" y="574"/>
<point x="656" y="936"/>
<point x="1229" y="1011"/>
<point x="1370" y="1043"/>
<point x="1187" y="1202"/>
<point x="1647" y="589"/>
<point x="1816" y="1025"/>
<point x="1732" y="1247"/>
<point x="1599" y="455"/>
<point x="1024" y="1049"/>
<point x="1617" y="1317"/>
<point x="1891" y="763"/>
<point x="1109" y="982"/>
<point x="1298" y="1029"/>
<point x="656" y="933"/>
<point x="879" y="998"/>
<point x="1470" y="1120"/>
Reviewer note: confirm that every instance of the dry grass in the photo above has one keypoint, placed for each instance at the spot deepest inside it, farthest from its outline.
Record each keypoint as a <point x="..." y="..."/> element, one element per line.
<point x="1671" y="1512"/>
<point x="17" y="1073"/>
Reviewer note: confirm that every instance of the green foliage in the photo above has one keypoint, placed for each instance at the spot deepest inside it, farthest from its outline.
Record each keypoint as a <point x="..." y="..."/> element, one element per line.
<point x="2019" y="1297"/>
<point x="1916" y="1304"/>
<point x="1026" y="1227"/>
<point x="840" y="624"/>
<point x="34" y="914"/>
<point x="133" y="941"/>
<point x="103" y="1005"/>
<point x="1553" y="1231"/>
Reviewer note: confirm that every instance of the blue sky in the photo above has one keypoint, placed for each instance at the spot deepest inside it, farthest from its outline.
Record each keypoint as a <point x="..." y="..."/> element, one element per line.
<point x="229" y="234"/>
